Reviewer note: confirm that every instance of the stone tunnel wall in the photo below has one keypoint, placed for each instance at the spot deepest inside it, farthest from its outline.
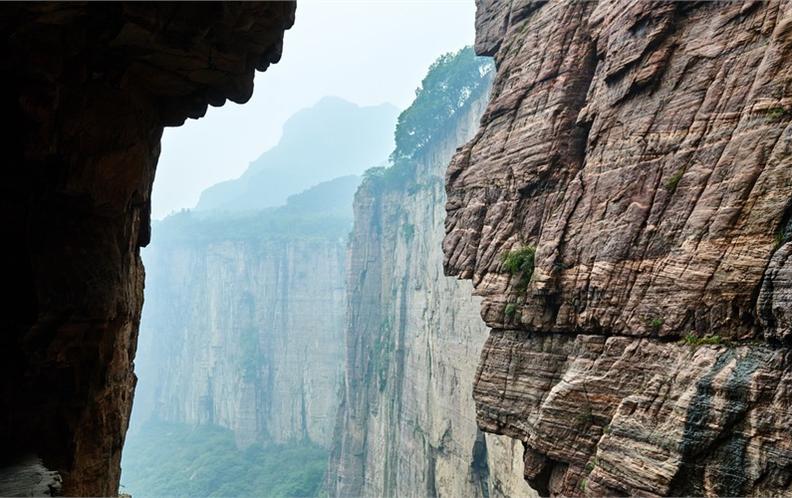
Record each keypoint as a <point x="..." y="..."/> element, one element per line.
<point x="85" y="94"/>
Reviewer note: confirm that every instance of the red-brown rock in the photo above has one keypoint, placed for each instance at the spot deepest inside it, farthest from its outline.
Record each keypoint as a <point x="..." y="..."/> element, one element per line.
<point x="645" y="151"/>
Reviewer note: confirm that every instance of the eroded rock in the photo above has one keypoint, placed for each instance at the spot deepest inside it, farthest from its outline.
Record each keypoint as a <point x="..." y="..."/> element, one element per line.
<point x="645" y="151"/>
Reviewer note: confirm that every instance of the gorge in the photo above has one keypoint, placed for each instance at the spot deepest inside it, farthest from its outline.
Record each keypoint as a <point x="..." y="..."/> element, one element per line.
<point x="569" y="278"/>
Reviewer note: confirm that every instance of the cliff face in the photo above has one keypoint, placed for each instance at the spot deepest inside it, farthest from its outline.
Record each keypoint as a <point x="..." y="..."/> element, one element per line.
<point x="645" y="152"/>
<point x="406" y="425"/>
<point x="245" y="335"/>
<point x="86" y="92"/>
<point x="243" y="325"/>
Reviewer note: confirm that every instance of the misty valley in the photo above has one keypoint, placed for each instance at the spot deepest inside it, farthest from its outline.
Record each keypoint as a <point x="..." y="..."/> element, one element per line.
<point x="299" y="337"/>
<point x="396" y="249"/>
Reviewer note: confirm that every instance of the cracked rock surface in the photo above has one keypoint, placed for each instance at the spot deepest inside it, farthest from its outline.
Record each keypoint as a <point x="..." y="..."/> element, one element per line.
<point x="645" y="151"/>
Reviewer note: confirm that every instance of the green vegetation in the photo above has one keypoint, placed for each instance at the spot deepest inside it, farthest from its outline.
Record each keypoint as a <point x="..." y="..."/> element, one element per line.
<point x="520" y="262"/>
<point x="169" y="459"/>
<point x="383" y="351"/>
<point x="780" y="238"/>
<point x="777" y="113"/>
<point x="453" y="82"/>
<point x="655" y="323"/>
<point x="691" y="339"/>
<point x="591" y="464"/>
<point x="672" y="182"/>
<point x="510" y="310"/>
<point x="586" y="417"/>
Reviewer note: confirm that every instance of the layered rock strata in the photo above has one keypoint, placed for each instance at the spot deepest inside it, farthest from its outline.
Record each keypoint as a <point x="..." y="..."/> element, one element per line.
<point x="645" y="152"/>
<point x="86" y="92"/>
<point x="406" y="426"/>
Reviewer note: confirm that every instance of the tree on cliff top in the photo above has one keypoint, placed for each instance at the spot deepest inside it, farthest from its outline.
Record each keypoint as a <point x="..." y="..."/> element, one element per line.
<point x="453" y="81"/>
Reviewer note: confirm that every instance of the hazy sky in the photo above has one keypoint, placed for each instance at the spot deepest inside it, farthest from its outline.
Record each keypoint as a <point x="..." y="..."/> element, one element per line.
<point x="367" y="52"/>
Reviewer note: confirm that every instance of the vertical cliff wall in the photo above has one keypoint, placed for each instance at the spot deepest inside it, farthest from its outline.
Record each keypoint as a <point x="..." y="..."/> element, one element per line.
<point x="245" y="335"/>
<point x="85" y="94"/>
<point x="624" y="212"/>
<point x="406" y="425"/>
<point x="244" y="321"/>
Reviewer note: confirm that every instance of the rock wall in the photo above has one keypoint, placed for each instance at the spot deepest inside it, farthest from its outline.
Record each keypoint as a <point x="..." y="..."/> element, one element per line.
<point x="406" y="426"/>
<point x="245" y="334"/>
<point x="645" y="152"/>
<point x="85" y="94"/>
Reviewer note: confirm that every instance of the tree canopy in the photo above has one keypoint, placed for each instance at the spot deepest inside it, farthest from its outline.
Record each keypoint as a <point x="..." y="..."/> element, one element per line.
<point x="454" y="81"/>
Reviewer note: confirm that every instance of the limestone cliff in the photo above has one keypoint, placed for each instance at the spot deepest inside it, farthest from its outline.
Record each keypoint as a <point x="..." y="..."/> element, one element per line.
<point x="86" y="91"/>
<point x="244" y="319"/>
<point x="644" y="150"/>
<point x="407" y="426"/>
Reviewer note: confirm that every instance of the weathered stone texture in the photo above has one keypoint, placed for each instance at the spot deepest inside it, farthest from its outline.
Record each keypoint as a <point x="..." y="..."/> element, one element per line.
<point x="645" y="150"/>
<point x="86" y="91"/>
<point x="406" y="427"/>
<point x="614" y="416"/>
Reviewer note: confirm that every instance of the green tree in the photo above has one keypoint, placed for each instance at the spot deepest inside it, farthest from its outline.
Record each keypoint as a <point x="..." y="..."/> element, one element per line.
<point x="452" y="83"/>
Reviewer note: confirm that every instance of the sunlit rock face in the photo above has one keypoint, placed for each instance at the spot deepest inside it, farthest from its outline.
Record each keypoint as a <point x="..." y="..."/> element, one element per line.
<point x="645" y="151"/>
<point x="86" y="92"/>
<point x="407" y="426"/>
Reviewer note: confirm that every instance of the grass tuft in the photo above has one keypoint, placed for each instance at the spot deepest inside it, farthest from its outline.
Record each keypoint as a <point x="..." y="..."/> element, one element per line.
<point x="672" y="182"/>
<point x="776" y="113"/>
<point x="691" y="339"/>
<point x="520" y="262"/>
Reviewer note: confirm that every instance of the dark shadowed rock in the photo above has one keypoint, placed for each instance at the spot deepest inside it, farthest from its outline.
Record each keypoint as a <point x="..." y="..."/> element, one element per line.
<point x="86" y="92"/>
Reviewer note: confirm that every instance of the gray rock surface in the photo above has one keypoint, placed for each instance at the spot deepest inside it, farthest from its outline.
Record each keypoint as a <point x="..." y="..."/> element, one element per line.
<point x="407" y="425"/>
<point x="246" y="334"/>
<point x="29" y="477"/>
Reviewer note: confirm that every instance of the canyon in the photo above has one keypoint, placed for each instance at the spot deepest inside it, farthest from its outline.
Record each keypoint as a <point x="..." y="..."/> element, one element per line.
<point x="406" y="426"/>
<point x="624" y="215"/>
<point x="244" y="322"/>
<point x="227" y="337"/>
<point x="618" y="222"/>
<point x="259" y="322"/>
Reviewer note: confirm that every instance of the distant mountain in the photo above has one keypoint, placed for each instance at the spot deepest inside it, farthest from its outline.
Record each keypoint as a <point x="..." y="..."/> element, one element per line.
<point x="330" y="198"/>
<point x="322" y="211"/>
<point x="331" y="139"/>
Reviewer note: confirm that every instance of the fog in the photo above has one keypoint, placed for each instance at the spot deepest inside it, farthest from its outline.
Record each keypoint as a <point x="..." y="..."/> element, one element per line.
<point x="251" y="289"/>
<point x="367" y="52"/>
